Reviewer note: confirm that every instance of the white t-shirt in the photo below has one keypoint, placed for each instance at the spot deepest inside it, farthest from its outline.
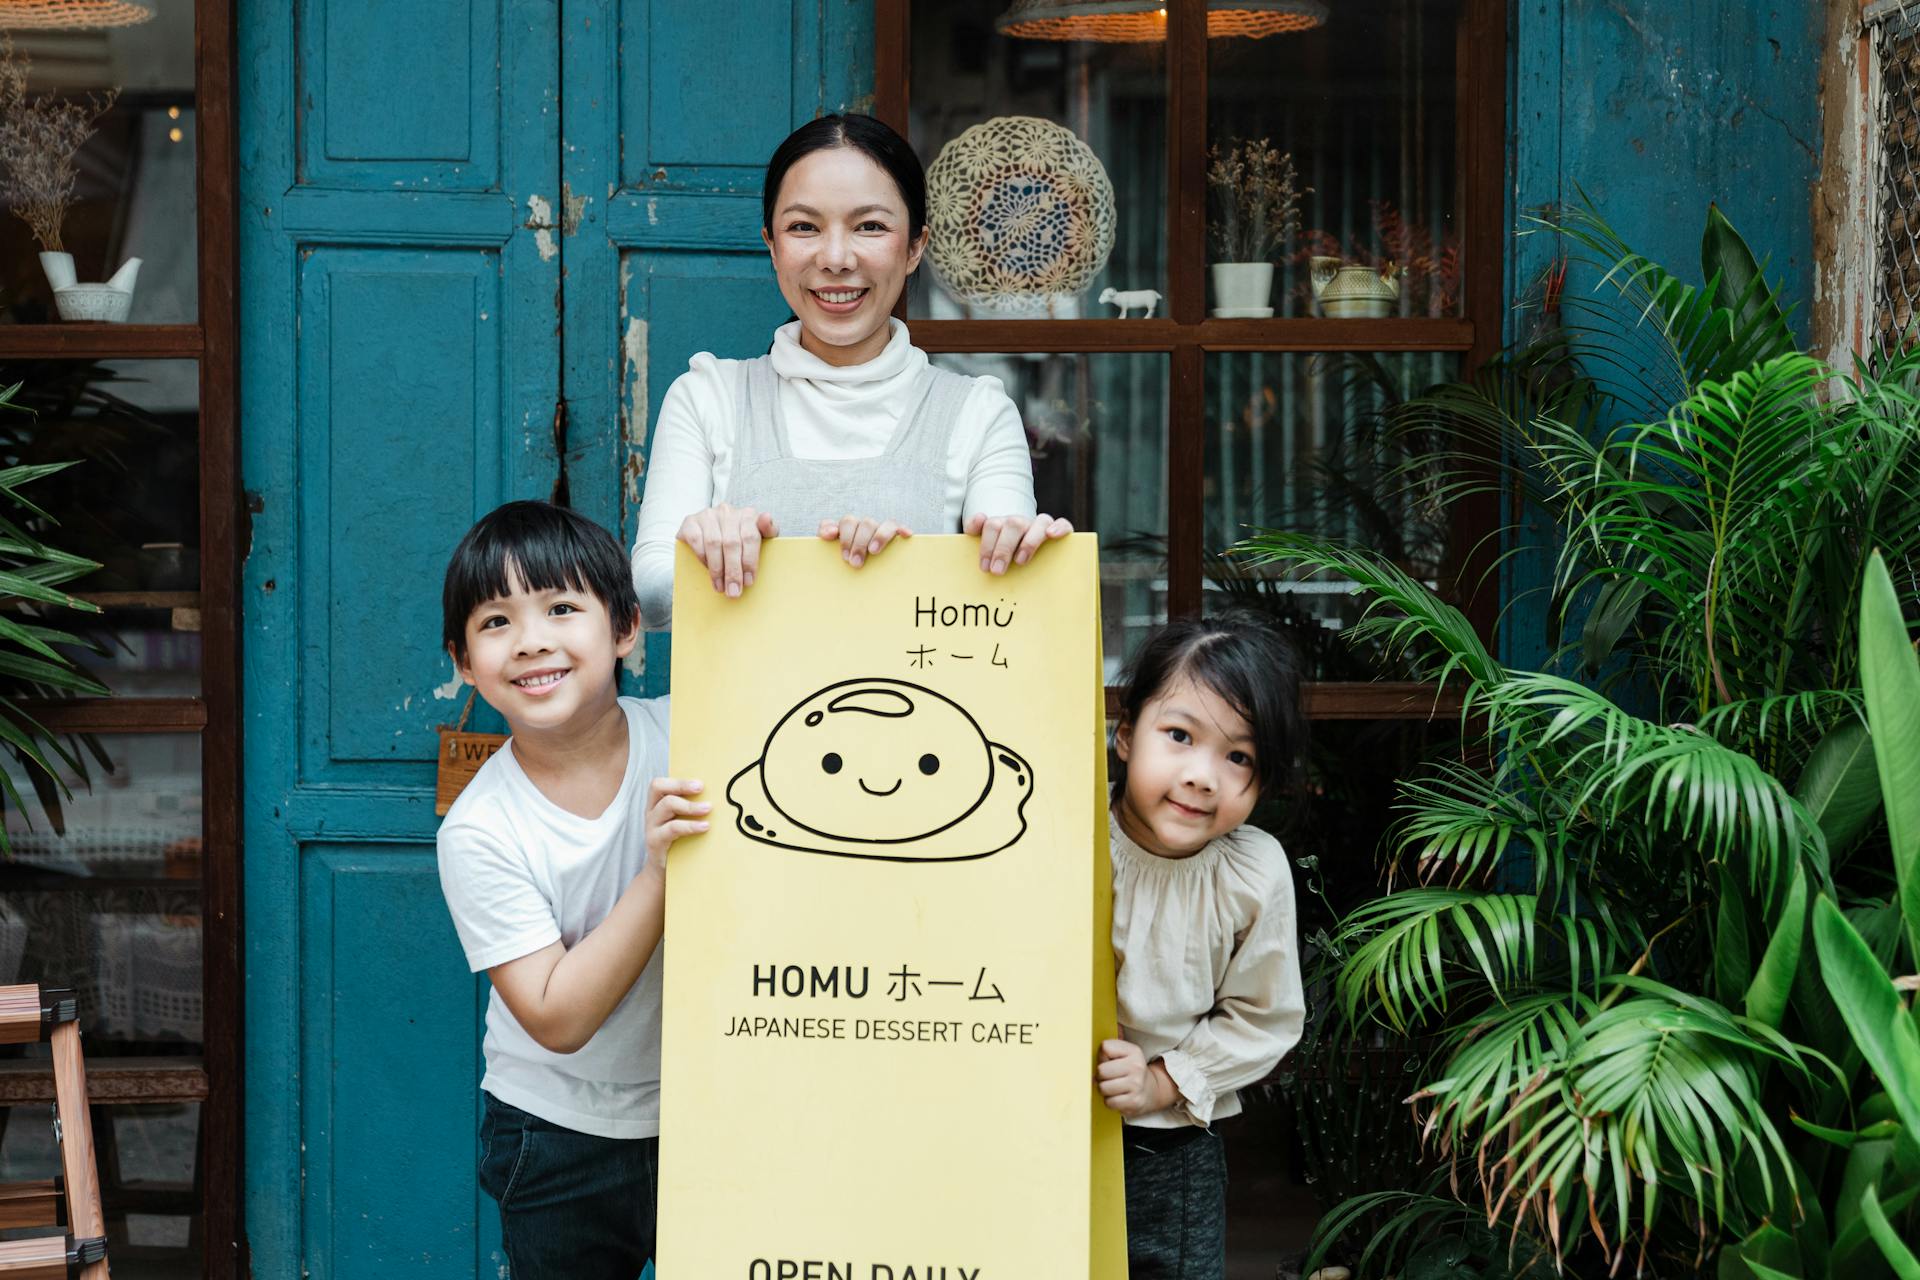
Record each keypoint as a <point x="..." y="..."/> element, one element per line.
<point x="832" y="412"/>
<point x="519" y="873"/>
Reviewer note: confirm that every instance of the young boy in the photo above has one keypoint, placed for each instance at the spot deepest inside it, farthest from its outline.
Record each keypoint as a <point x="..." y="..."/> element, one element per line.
<point x="553" y="863"/>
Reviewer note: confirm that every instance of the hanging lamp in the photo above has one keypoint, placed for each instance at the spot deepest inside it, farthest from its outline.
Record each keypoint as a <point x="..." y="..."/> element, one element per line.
<point x="70" y="15"/>
<point x="1143" y="21"/>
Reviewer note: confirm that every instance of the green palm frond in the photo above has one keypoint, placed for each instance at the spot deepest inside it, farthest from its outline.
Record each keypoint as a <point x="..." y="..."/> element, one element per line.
<point x="1410" y="952"/>
<point x="1458" y="822"/>
<point x="1402" y="614"/>
<point x="1671" y="336"/>
<point x="1674" y="778"/>
<point x="1659" y="1092"/>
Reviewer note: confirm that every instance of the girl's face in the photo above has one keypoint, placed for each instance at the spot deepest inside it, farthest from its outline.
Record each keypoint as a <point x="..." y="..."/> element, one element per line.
<point x="841" y="252"/>
<point x="1191" y="775"/>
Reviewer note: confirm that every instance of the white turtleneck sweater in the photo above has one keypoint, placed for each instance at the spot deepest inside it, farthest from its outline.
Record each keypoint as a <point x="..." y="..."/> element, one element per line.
<point x="830" y="412"/>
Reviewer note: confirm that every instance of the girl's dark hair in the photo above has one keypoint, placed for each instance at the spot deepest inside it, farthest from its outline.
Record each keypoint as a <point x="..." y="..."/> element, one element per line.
<point x="547" y="548"/>
<point x="1243" y="659"/>
<point x="877" y="141"/>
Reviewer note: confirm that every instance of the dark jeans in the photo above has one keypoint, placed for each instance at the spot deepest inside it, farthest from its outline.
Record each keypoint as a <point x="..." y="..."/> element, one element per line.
<point x="573" y="1206"/>
<point x="1176" y="1204"/>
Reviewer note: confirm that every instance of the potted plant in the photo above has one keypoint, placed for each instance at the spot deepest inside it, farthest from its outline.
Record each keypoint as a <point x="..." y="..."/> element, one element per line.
<point x="1257" y="200"/>
<point x="36" y="657"/>
<point x="39" y="141"/>
<point x="1663" y="934"/>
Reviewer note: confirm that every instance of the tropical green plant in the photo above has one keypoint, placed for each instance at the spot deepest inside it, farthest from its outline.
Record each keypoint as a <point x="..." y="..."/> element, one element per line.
<point x="1605" y="928"/>
<point x="36" y="660"/>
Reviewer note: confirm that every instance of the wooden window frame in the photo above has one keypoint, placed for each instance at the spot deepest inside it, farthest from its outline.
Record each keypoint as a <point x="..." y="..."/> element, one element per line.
<point x="215" y="1081"/>
<point x="1187" y="335"/>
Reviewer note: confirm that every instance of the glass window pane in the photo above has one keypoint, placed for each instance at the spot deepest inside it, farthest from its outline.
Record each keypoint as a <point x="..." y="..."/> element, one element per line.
<point x="110" y="907"/>
<point x="1315" y="443"/>
<point x="1027" y="212"/>
<point x="1364" y="105"/>
<point x="134" y="193"/>
<point x="149" y="1187"/>
<point x="132" y="429"/>
<point x="1097" y="431"/>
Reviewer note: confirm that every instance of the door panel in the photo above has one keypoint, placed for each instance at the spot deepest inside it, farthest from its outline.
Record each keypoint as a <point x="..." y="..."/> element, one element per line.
<point x="399" y="369"/>
<point x="443" y="54"/>
<point x="422" y="326"/>
<point x="421" y="283"/>
<point x="391" y="1182"/>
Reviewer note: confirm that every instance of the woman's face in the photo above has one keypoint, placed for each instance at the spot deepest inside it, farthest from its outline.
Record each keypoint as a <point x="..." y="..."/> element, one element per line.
<point x="841" y="252"/>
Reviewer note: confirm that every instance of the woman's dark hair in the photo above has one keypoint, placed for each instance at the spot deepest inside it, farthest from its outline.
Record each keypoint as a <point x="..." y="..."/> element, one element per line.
<point x="1243" y="659"/>
<point x="547" y="548"/>
<point x="877" y="141"/>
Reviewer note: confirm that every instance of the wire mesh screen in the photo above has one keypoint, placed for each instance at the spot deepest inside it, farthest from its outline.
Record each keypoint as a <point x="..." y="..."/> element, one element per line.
<point x="1894" y="30"/>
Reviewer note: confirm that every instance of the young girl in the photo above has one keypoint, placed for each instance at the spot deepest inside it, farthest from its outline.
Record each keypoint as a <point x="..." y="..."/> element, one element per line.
<point x="1203" y="923"/>
<point x="843" y="429"/>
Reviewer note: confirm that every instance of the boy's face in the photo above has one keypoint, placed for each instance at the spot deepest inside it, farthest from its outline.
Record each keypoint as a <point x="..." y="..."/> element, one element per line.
<point x="544" y="659"/>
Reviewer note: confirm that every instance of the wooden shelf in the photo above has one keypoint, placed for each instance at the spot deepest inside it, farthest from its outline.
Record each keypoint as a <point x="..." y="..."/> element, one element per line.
<point x="109" y="1080"/>
<point x="101" y="341"/>
<point x="119" y="715"/>
<point x="141" y="599"/>
<point x="1294" y="333"/>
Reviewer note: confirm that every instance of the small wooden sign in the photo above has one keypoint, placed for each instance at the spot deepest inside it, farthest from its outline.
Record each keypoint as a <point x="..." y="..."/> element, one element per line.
<point x="461" y="755"/>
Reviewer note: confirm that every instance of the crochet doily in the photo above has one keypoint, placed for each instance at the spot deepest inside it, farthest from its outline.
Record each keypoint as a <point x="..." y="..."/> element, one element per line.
<point x="1020" y="208"/>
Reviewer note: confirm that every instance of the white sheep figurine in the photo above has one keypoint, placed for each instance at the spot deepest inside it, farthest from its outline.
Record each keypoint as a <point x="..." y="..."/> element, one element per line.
<point x="1126" y="299"/>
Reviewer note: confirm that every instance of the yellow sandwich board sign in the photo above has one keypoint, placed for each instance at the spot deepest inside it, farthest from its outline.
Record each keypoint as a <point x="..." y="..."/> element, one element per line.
<point x="888" y="964"/>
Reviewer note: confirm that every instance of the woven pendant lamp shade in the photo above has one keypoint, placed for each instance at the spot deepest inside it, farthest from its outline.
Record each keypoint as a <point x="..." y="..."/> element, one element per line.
<point x="70" y="15"/>
<point x="1144" y="21"/>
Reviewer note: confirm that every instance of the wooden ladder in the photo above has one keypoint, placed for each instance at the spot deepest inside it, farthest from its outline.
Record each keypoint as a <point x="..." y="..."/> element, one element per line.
<point x="28" y="1014"/>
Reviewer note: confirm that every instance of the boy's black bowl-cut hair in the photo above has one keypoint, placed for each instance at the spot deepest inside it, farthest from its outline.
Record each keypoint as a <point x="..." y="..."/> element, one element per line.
<point x="545" y="547"/>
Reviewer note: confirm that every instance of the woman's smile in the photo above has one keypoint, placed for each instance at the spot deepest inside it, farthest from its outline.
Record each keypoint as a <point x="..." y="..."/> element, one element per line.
<point x="839" y="302"/>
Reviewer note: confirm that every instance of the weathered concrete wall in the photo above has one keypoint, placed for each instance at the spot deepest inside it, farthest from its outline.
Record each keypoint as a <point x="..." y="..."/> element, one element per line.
<point x="1656" y="107"/>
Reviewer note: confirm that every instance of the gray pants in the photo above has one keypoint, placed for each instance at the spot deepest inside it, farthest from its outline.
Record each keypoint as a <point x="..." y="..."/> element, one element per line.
<point x="1176" y="1205"/>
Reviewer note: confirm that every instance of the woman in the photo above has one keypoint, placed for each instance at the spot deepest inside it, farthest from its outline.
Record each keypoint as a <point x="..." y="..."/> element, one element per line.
<point x="844" y="427"/>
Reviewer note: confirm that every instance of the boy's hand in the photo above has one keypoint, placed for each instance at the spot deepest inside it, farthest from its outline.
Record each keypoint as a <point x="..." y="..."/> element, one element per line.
<point x="671" y="813"/>
<point x="728" y="540"/>
<point x="862" y="536"/>
<point x="1011" y="540"/>
<point x="1129" y="1083"/>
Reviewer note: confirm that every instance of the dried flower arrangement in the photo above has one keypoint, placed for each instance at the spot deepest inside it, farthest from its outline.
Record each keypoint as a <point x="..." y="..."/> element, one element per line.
<point x="1257" y="196"/>
<point x="39" y="140"/>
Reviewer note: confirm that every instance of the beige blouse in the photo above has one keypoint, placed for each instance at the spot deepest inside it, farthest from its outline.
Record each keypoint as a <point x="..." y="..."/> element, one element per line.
<point x="1209" y="966"/>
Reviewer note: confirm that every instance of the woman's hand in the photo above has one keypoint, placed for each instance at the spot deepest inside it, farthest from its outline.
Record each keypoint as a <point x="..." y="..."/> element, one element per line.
<point x="1007" y="540"/>
<point x="1129" y="1083"/>
<point x="672" y="812"/>
<point x="727" y="539"/>
<point x="862" y="536"/>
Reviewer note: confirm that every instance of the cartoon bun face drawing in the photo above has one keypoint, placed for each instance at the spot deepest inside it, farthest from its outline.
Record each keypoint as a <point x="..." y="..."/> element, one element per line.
<point x="878" y="768"/>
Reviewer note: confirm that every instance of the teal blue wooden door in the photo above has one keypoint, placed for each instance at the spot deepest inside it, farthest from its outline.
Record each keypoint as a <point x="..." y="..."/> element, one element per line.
<point x="454" y="215"/>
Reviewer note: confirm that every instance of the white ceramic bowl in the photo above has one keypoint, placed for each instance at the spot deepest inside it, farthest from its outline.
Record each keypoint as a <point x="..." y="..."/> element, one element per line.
<point x="100" y="303"/>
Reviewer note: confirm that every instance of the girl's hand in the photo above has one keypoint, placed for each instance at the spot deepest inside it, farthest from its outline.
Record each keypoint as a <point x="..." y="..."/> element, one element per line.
<point x="1130" y="1084"/>
<point x="1006" y="540"/>
<point x="728" y="540"/>
<point x="672" y="812"/>
<point x="862" y="536"/>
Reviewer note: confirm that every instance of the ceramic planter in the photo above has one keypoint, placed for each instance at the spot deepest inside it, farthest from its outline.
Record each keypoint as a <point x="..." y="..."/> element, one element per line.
<point x="1351" y="291"/>
<point x="107" y="303"/>
<point x="59" y="270"/>
<point x="1242" y="290"/>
